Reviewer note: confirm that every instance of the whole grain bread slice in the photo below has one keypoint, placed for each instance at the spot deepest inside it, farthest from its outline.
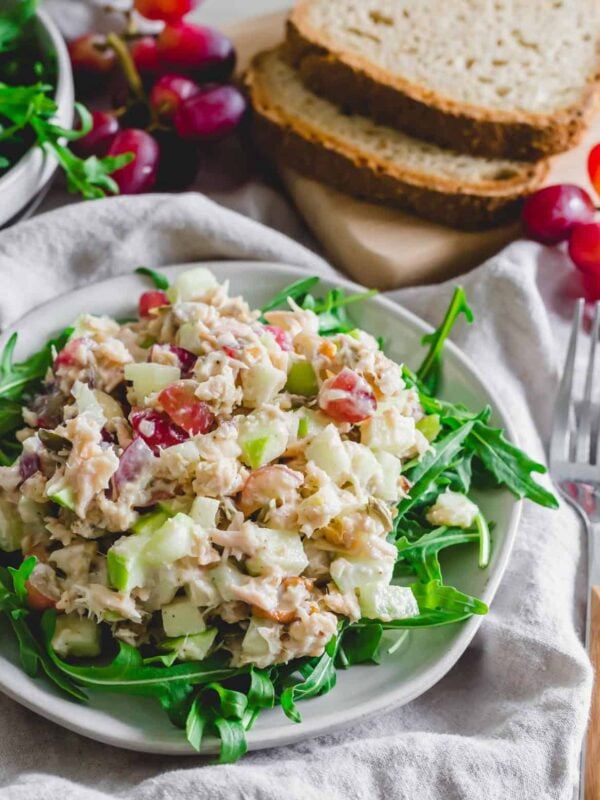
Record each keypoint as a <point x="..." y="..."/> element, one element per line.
<point x="296" y="128"/>
<point x="502" y="78"/>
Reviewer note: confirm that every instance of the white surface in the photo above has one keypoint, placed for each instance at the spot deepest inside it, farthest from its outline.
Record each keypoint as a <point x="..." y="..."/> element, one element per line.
<point x="507" y="721"/>
<point x="27" y="179"/>
<point x="136" y="723"/>
<point x="224" y="12"/>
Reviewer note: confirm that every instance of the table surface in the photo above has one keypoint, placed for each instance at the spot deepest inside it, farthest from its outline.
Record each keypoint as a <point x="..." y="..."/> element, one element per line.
<point x="224" y="12"/>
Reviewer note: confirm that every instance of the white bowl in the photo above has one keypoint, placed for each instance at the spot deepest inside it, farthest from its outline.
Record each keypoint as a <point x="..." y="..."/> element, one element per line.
<point x="24" y="186"/>
<point x="138" y="723"/>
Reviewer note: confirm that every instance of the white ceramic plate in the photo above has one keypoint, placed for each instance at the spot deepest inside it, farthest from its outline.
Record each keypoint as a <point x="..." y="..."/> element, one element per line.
<point x="139" y="723"/>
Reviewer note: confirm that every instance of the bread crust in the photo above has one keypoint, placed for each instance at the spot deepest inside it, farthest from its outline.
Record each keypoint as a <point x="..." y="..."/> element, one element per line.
<point x="357" y="85"/>
<point x="285" y="141"/>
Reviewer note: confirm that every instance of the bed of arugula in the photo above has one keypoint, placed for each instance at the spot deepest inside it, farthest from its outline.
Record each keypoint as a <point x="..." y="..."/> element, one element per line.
<point x="211" y="698"/>
<point x="28" y="108"/>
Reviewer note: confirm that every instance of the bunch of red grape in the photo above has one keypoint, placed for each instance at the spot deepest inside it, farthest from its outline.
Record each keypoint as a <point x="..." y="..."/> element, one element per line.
<point x="566" y="212"/>
<point x="177" y="95"/>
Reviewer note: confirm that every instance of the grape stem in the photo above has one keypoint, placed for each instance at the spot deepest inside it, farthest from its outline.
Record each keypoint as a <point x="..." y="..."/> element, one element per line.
<point x="127" y="65"/>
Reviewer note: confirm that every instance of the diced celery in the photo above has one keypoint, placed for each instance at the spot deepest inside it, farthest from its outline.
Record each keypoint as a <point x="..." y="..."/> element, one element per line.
<point x="302" y="427"/>
<point x="191" y="648"/>
<point x="226" y="577"/>
<point x="11" y="527"/>
<point x="182" y="618"/>
<point x="76" y="637"/>
<point x="124" y="563"/>
<point x="430" y="426"/>
<point x="149" y="378"/>
<point x="302" y="379"/>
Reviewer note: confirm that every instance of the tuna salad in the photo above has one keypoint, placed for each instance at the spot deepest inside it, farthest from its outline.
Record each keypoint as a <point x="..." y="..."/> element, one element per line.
<point x="212" y="483"/>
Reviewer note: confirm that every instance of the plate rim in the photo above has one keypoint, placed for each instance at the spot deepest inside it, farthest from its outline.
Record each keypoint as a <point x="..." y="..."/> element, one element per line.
<point x="258" y="740"/>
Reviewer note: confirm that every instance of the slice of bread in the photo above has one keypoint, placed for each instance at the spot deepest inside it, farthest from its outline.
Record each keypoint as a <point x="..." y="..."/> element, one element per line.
<point x="296" y="128"/>
<point x="507" y="78"/>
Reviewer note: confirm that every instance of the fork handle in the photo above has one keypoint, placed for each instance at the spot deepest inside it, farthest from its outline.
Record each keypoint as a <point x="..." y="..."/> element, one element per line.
<point x="592" y="755"/>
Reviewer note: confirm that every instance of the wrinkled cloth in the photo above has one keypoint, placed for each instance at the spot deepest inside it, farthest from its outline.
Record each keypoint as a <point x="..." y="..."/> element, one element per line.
<point x="507" y="721"/>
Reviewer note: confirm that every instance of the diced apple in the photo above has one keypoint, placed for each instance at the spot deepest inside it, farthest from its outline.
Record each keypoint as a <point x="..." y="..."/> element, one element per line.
<point x="276" y="552"/>
<point x="351" y="573"/>
<point x="327" y="451"/>
<point x="11" y="527"/>
<point x="174" y="540"/>
<point x="261" y="640"/>
<point x="188" y="337"/>
<point x="387" y="488"/>
<point x="63" y="496"/>
<point x="390" y="431"/>
<point x="76" y="637"/>
<point x="260" y="383"/>
<point x="191" y="285"/>
<point x="384" y="602"/>
<point x="191" y="648"/>
<point x="126" y="569"/>
<point x="204" y="511"/>
<point x="87" y="403"/>
<point x="110" y="407"/>
<point x="182" y="618"/>
<point x="430" y="426"/>
<point x="150" y="523"/>
<point x="32" y="514"/>
<point x="225" y="578"/>
<point x="365" y="469"/>
<point x="262" y="439"/>
<point x="149" y="378"/>
<point x="302" y="379"/>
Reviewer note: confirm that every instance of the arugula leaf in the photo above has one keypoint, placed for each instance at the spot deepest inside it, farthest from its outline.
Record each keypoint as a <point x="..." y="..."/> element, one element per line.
<point x="261" y="693"/>
<point x="319" y="677"/>
<point x="509" y="465"/>
<point x="434" y="596"/>
<point x="425" y="474"/>
<point x="12" y="23"/>
<point x="430" y="370"/>
<point x="196" y="723"/>
<point x="160" y="281"/>
<point x="12" y="604"/>
<point x="423" y="554"/>
<point x="360" y="644"/>
<point x="233" y="739"/>
<point x="297" y="291"/>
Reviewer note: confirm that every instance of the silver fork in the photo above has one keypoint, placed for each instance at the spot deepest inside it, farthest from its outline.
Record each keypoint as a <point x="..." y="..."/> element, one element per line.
<point x="575" y="469"/>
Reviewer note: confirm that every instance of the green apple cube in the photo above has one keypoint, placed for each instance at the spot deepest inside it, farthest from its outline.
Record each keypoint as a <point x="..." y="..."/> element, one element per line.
<point x="111" y="408"/>
<point x="351" y="573"/>
<point x="191" y="648"/>
<point x="257" y="643"/>
<point x="64" y="497"/>
<point x="11" y="527"/>
<point x="310" y="422"/>
<point x="76" y="637"/>
<point x="327" y="451"/>
<point x="261" y="439"/>
<point x="365" y="468"/>
<point x="150" y="523"/>
<point x="430" y="426"/>
<point x="226" y="577"/>
<point x="204" y="511"/>
<point x="390" y="472"/>
<point x="191" y="285"/>
<point x="384" y="602"/>
<point x="302" y="379"/>
<point x="126" y="570"/>
<point x="182" y="618"/>
<point x="174" y="540"/>
<point x="148" y="378"/>
<point x="276" y="551"/>
<point x="188" y="336"/>
<point x="260" y="383"/>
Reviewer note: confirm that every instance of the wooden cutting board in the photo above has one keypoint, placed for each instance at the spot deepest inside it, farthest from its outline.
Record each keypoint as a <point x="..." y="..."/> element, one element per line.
<point x="380" y="246"/>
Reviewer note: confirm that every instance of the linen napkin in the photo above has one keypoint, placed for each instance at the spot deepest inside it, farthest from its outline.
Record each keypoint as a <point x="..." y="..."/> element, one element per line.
<point x="508" y="719"/>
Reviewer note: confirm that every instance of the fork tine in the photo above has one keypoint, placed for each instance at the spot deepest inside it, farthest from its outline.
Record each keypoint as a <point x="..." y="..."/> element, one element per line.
<point x="559" y="442"/>
<point x="585" y="417"/>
